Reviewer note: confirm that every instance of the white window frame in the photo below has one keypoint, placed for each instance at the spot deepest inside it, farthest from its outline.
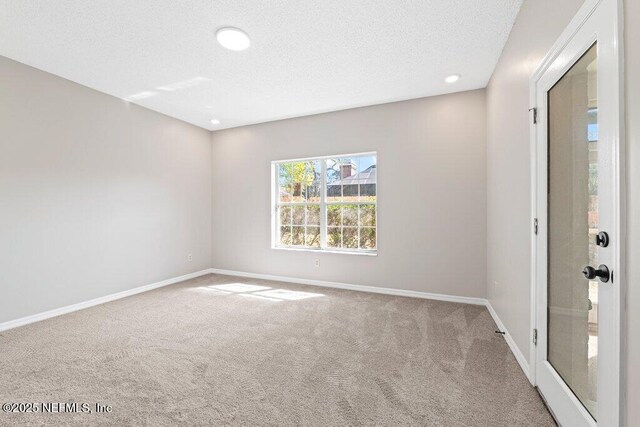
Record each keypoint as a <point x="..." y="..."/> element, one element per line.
<point x="275" y="190"/>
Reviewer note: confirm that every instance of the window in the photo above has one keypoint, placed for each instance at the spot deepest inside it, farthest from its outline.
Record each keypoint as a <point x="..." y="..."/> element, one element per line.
<point x="327" y="203"/>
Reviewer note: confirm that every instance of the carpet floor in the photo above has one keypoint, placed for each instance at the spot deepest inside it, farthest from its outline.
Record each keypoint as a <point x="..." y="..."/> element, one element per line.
<point x="220" y="350"/>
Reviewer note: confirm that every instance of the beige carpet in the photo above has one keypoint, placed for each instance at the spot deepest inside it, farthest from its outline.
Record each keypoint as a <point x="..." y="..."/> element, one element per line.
<point x="197" y="353"/>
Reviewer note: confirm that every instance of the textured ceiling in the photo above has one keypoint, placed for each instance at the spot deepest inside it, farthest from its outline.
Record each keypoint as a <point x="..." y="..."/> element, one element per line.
<point x="306" y="56"/>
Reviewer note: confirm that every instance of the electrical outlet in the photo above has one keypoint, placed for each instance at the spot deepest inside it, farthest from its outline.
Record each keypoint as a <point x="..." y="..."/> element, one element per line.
<point x="190" y="257"/>
<point x="317" y="263"/>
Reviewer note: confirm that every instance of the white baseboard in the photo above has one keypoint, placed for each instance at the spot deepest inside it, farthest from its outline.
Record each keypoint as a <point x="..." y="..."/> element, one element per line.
<point x="351" y="287"/>
<point x="522" y="361"/>
<point x="96" y="301"/>
<point x="361" y="288"/>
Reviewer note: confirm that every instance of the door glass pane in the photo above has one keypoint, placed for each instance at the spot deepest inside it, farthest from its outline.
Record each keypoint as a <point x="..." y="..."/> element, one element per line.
<point x="573" y="224"/>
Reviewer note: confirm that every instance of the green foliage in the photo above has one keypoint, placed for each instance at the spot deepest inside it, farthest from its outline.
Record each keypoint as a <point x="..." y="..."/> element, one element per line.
<point x="299" y="172"/>
<point x="300" y="181"/>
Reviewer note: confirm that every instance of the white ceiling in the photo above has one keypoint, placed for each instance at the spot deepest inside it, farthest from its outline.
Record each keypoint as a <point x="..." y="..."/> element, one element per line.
<point x="306" y="56"/>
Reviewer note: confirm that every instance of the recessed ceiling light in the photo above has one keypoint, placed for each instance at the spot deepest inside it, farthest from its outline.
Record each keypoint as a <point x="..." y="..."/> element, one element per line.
<point x="233" y="38"/>
<point x="452" y="78"/>
<point x="215" y="121"/>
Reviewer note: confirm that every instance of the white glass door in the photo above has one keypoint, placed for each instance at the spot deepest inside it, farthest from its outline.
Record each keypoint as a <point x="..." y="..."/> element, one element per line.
<point x="577" y="311"/>
<point x="572" y="215"/>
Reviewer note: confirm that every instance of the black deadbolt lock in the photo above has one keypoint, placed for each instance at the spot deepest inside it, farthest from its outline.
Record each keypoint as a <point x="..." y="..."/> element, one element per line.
<point x="602" y="239"/>
<point x="602" y="273"/>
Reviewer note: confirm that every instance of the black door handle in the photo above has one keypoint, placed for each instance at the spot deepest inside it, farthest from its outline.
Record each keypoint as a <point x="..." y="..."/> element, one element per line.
<point x="601" y="273"/>
<point x="602" y="239"/>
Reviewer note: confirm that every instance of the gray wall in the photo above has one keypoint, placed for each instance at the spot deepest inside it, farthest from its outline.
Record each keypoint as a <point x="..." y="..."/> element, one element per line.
<point x="536" y="29"/>
<point x="96" y="196"/>
<point x="632" y="73"/>
<point x="431" y="181"/>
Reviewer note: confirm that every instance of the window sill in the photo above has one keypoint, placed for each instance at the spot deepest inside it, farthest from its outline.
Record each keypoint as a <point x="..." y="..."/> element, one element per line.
<point x="325" y="251"/>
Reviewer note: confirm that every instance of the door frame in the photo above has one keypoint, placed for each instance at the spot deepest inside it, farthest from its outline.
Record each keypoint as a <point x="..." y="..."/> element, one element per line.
<point x="615" y="67"/>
